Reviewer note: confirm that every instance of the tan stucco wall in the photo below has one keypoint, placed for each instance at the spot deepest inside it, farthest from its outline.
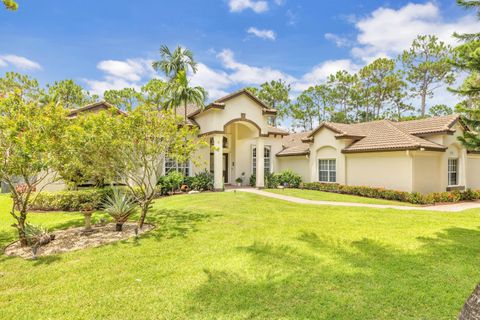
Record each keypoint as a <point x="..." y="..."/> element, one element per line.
<point x="298" y="164"/>
<point x="390" y="170"/>
<point x="427" y="171"/>
<point x="473" y="172"/>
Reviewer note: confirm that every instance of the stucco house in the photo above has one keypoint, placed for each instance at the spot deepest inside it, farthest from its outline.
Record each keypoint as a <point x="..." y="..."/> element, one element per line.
<point x="420" y="155"/>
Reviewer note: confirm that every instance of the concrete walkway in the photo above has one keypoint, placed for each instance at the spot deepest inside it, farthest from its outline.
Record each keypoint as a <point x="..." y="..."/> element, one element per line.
<point x="455" y="207"/>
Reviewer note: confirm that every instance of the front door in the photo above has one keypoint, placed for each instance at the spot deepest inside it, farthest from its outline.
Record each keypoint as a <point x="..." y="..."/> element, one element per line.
<point x="224" y="166"/>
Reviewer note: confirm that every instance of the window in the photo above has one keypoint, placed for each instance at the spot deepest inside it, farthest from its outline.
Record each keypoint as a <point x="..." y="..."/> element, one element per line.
<point x="173" y="165"/>
<point x="453" y="172"/>
<point x="266" y="160"/>
<point x="327" y="170"/>
<point x="224" y="142"/>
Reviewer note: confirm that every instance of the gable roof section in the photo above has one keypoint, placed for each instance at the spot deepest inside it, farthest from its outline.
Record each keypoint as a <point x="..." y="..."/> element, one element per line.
<point x="100" y="105"/>
<point x="294" y="146"/>
<point x="220" y="103"/>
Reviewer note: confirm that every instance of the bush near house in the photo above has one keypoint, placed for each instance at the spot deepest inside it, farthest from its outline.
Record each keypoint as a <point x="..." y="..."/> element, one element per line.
<point x="380" y="193"/>
<point x="273" y="180"/>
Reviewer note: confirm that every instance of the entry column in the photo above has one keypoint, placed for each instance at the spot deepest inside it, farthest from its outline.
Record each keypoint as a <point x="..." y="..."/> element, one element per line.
<point x="260" y="154"/>
<point x="218" y="162"/>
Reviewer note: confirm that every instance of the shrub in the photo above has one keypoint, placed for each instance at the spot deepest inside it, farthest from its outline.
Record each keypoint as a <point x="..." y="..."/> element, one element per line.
<point x="290" y="178"/>
<point x="36" y="235"/>
<point x="253" y="180"/>
<point x="380" y="193"/>
<point x="170" y="182"/>
<point x="70" y="200"/>
<point x="202" y="181"/>
<point x="271" y="180"/>
<point x="120" y="206"/>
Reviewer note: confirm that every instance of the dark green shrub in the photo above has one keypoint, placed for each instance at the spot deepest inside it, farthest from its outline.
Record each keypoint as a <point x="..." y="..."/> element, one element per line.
<point x="70" y="200"/>
<point x="290" y="178"/>
<point x="253" y="180"/>
<point x="271" y="180"/>
<point x="380" y="193"/>
<point x="202" y="181"/>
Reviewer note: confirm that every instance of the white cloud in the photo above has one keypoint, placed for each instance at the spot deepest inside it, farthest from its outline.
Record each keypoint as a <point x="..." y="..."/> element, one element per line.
<point x="387" y="32"/>
<point x="246" y="74"/>
<point x="19" y="62"/>
<point x="320" y="73"/>
<point x="263" y="34"/>
<point x="339" y="41"/>
<point x="292" y="18"/>
<point x="255" y="6"/>
<point x="119" y="74"/>
<point x="130" y="69"/>
<point x="214" y="81"/>
<point x="109" y="83"/>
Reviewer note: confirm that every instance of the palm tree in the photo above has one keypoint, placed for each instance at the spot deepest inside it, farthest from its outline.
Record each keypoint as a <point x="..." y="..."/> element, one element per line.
<point x="181" y="93"/>
<point x="181" y="59"/>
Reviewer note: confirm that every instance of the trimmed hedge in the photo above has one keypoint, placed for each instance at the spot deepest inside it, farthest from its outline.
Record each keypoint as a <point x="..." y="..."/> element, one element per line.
<point x="70" y="200"/>
<point x="380" y="193"/>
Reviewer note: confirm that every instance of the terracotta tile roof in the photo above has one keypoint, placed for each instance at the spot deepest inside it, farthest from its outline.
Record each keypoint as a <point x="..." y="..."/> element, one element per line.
<point x="429" y="125"/>
<point x="385" y="135"/>
<point x="293" y="145"/>
<point x="100" y="105"/>
<point x="275" y="130"/>
<point x="381" y="135"/>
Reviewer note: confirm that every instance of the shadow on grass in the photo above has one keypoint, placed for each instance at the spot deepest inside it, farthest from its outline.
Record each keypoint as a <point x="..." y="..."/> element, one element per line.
<point x="364" y="279"/>
<point x="172" y="223"/>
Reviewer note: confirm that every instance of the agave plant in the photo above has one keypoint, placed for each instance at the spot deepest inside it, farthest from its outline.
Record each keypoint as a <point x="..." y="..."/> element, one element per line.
<point x="37" y="235"/>
<point x="120" y="206"/>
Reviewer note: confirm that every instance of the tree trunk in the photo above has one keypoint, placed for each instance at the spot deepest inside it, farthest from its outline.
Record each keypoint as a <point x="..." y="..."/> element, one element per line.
<point x="21" y="229"/>
<point x="142" y="216"/>
<point x="118" y="227"/>
<point x="21" y="234"/>
<point x="185" y="113"/>
<point x="424" y="103"/>
<point x="471" y="309"/>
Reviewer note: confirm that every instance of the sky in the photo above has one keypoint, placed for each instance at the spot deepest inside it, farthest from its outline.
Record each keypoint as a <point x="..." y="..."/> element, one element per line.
<point x="110" y="44"/>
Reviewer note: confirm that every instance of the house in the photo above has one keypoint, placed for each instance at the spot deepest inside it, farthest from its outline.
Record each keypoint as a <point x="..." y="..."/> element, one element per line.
<point x="419" y="155"/>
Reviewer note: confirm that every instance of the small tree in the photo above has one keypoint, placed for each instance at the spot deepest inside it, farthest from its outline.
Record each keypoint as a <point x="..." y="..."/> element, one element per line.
<point x="30" y="137"/>
<point x="427" y="67"/>
<point x="146" y="137"/>
<point x="89" y="147"/>
<point x="69" y="94"/>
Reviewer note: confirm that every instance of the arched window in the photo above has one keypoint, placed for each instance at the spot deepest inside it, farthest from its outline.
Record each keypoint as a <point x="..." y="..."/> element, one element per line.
<point x="267" y="160"/>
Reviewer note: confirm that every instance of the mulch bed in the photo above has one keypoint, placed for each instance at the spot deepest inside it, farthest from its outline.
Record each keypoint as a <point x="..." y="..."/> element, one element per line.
<point x="76" y="239"/>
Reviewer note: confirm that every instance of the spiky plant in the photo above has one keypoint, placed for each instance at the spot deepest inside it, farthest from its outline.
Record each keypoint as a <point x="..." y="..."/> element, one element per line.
<point x="120" y="206"/>
<point x="37" y="235"/>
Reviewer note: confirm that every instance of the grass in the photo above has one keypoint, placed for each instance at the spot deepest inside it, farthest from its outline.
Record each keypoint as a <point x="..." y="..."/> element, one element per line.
<point x="242" y="256"/>
<point x="335" y="197"/>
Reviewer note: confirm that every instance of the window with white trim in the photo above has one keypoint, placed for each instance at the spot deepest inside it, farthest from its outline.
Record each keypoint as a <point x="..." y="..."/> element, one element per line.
<point x="267" y="160"/>
<point x="453" y="171"/>
<point x="173" y="165"/>
<point x="327" y="170"/>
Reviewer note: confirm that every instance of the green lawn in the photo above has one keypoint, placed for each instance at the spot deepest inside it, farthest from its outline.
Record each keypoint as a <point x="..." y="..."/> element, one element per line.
<point x="336" y="197"/>
<point x="242" y="256"/>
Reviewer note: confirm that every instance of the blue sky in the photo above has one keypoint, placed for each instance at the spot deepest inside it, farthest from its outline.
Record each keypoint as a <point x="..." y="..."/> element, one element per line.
<point x="111" y="43"/>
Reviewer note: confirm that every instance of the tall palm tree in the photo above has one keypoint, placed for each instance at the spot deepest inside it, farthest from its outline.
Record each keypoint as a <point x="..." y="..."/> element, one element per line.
<point x="181" y="93"/>
<point x="171" y="63"/>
